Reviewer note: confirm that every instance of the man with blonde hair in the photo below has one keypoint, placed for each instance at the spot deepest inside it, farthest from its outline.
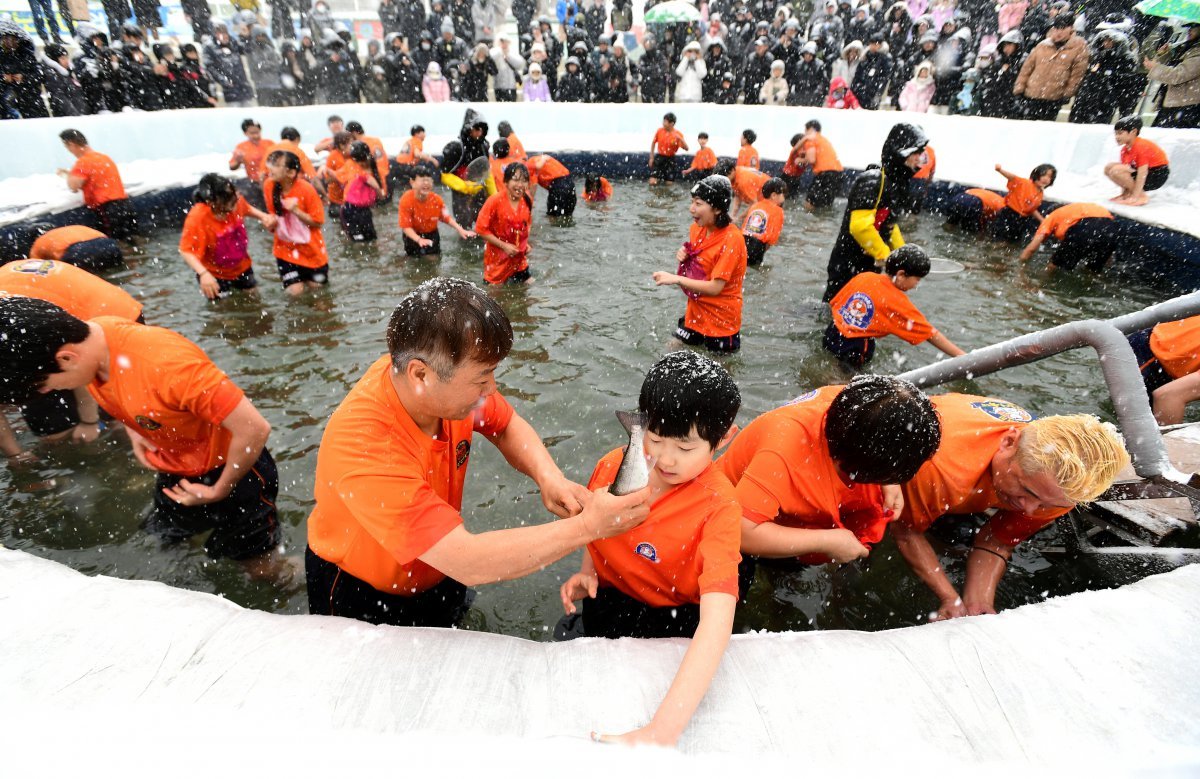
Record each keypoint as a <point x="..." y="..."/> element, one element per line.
<point x="994" y="455"/>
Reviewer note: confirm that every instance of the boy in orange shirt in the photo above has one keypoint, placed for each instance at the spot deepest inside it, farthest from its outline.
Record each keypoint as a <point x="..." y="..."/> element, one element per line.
<point x="412" y="153"/>
<point x="251" y="152"/>
<point x="1021" y="214"/>
<point x="553" y="176"/>
<point x="214" y="243"/>
<point x="505" y="131"/>
<point x="289" y="140"/>
<point x="76" y="245"/>
<point x="822" y="160"/>
<point x="97" y="177"/>
<point x="327" y="174"/>
<point x="1086" y="233"/>
<point x="747" y="154"/>
<point x="764" y="221"/>
<point x="299" y="246"/>
<point x="1143" y="167"/>
<point x="875" y="305"/>
<point x="1169" y="358"/>
<point x="703" y="162"/>
<point x="185" y="419"/>
<point x="503" y="224"/>
<point x="676" y="574"/>
<point x="666" y="144"/>
<point x="747" y="185"/>
<point x="420" y="211"/>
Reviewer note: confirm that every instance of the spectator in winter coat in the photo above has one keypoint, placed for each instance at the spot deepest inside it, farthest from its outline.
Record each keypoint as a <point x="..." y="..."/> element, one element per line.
<point x="756" y="71"/>
<point x="1010" y="15"/>
<point x="774" y="90"/>
<point x="897" y="32"/>
<point x="1035" y="23"/>
<point x="434" y="86"/>
<point x="1179" y="70"/>
<point x="404" y="78"/>
<point x="994" y="87"/>
<point x="690" y="73"/>
<point x="169" y="77"/>
<point x="320" y="20"/>
<point x="1110" y="84"/>
<point x="21" y="93"/>
<point x="840" y="95"/>
<point x="474" y="82"/>
<point x="100" y="80"/>
<point x="536" y="89"/>
<point x="339" y="74"/>
<point x="594" y="18"/>
<point x="509" y="67"/>
<point x="375" y="88"/>
<point x="266" y="67"/>
<point x="572" y="87"/>
<point x="390" y="16"/>
<point x="861" y="26"/>
<point x="140" y="79"/>
<point x="412" y="21"/>
<point x="918" y="92"/>
<point x="1053" y="71"/>
<point x="450" y="47"/>
<point x="950" y="60"/>
<point x="716" y="63"/>
<point x="811" y="80"/>
<point x="223" y="56"/>
<point x="846" y="66"/>
<point x="63" y="87"/>
<point x="201" y="93"/>
<point x="655" y="71"/>
<point x="483" y="20"/>
<point x="873" y="73"/>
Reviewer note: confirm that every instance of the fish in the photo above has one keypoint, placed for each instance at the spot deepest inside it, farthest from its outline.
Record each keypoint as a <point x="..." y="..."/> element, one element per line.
<point x="634" y="472"/>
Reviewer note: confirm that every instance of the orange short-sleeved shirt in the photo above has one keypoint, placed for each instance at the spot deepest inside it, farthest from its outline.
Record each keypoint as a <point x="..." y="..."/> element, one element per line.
<point x="516" y="149"/>
<point x="551" y="170"/>
<point x="870" y="306"/>
<point x="927" y="169"/>
<point x="307" y="255"/>
<point x="379" y="154"/>
<point x="690" y="544"/>
<point x="74" y="290"/>
<point x="165" y="388"/>
<point x="958" y="478"/>
<point x="510" y="224"/>
<point x="748" y="157"/>
<point x="667" y="142"/>
<point x="764" y="221"/>
<point x="54" y="243"/>
<point x="386" y="492"/>
<point x="722" y="256"/>
<point x="101" y="179"/>
<point x="826" y="158"/>
<point x="782" y="472"/>
<point x="498" y="165"/>
<point x="306" y="166"/>
<point x="1063" y="218"/>
<point x="202" y="232"/>
<point x="254" y="158"/>
<point x="705" y="159"/>
<point x="603" y="195"/>
<point x="421" y="215"/>
<point x="335" y="188"/>
<point x="992" y="201"/>
<point x="794" y="164"/>
<point x="1023" y="196"/>
<point x="1143" y="154"/>
<point x="1177" y="346"/>
<point x="748" y="184"/>
<point x="414" y="147"/>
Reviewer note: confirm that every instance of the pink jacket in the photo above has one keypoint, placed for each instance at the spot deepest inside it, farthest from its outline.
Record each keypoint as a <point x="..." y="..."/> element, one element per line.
<point x="1011" y="14"/>
<point x="436" y="90"/>
<point x="915" y="97"/>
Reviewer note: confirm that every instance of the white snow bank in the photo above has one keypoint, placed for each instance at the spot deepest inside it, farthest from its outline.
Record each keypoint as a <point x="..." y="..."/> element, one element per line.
<point x="1100" y="678"/>
<point x="967" y="147"/>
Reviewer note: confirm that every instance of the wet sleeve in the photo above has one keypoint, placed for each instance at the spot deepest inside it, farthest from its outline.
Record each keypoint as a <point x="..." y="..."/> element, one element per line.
<point x="774" y="227"/>
<point x="405" y="212"/>
<point x="862" y="228"/>
<point x="759" y="490"/>
<point x="862" y="514"/>
<point x="191" y="240"/>
<point x="720" y="549"/>
<point x="1012" y="527"/>
<point x="495" y="415"/>
<point x="192" y="383"/>
<point x="243" y="208"/>
<point x="925" y="499"/>
<point x="906" y="322"/>
<point x="313" y="206"/>
<point x="483" y="222"/>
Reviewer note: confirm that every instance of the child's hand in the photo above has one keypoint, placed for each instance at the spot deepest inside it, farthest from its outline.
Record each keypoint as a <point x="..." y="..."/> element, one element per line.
<point x="643" y="735"/>
<point x="424" y="242"/>
<point x="998" y="169"/>
<point x="681" y="255"/>
<point x="893" y="500"/>
<point x="662" y="278"/>
<point x="843" y="547"/>
<point x="510" y="249"/>
<point x="465" y="234"/>
<point x="291" y="204"/>
<point x="578" y="587"/>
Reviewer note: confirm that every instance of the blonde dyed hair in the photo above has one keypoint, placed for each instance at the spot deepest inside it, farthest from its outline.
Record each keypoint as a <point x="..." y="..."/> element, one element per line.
<point x="1082" y="453"/>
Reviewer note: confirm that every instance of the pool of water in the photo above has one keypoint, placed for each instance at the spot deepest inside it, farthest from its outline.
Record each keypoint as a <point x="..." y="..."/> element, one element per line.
<point x="586" y="331"/>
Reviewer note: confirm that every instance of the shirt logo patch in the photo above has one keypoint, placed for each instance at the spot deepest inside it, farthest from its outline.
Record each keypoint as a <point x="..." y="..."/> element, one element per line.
<point x="647" y="550"/>
<point x="36" y="267"/>
<point x="462" y="452"/>
<point x="1003" y="410"/>
<point x="756" y="223"/>
<point x="858" y="311"/>
<point x="147" y="423"/>
<point x="802" y="397"/>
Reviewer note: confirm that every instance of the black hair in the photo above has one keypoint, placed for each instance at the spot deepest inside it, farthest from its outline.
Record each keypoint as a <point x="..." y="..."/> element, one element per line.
<point x="54" y="51"/>
<point x="416" y="128"/>
<point x="795" y="139"/>
<point x="591" y="182"/>
<point x="292" y="163"/>
<point x="881" y="429"/>
<point x="361" y="153"/>
<point x="1042" y="170"/>
<point x="724" y="167"/>
<point x="445" y="321"/>
<point x="514" y="169"/>
<point x="1129" y="124"/>
<point x="500" y="149"/>
<point x="213" y="189"/>
<point x="248" y="123"/>
<point x="355" y="128"/>
<point x="504" y="129"/>
<point x="909" y="258"/>
<point x="289" y="134"/>
<point x="684" y="389"/>
<point x="341" y="139"/>
<point x="703" y="135"/>
<point x="333" y="118"/>
<point x="750" y="136"/>
<point x="73" y="136"/>
<point x="774" y="186"/>
<point x="420" y="170"/>
<point x="670" y="117"/>
<point x="31" y="333"/>
<point x="812" y="124"/>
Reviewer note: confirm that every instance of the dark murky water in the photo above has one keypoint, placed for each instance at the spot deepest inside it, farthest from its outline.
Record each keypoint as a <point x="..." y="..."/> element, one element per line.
<point x="586" y="331"/>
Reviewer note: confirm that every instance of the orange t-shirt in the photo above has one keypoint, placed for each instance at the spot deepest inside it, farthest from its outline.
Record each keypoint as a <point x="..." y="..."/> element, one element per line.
<point x="870" y="306"/>
<point x="748" y="157"/>
<point x="794" y="164"/>
<point x="421" y="215"/>
<point x="408" y="155"/>
<point x="101" y="179"/>
<point x="306" y="167"/>
<point x="603" y="195"/>
<point x="958" y="478"/>
<point x="992" y="201"/>
<point x="74" y="290"/>
<point x="782" y="472"/>
<point x="1023" y="196"/>
<point x="1063" y="218"/>
<point x="335" y="188"/>
<point x="748" y="184"/>
<point x="165" y="388"/>
<point x="54" y="243"/>
<point x="254" y="158"/>
<point x="690" y="545"/>
<point x="498" y="165"/>
<point x="1143" y="154"/>
<point x="205" y="236"/>
<point x="306" y="255"/>
<point x="764" y="221"/>
<point x="667" y="142"/>
<point x="386" y="491"/>
<point x="510" y="224"/>
<point x="552" y="170"/>
<point x="515" y="149"/>
<point x="1177" y="346"/>
<point x="927" y="169"/>
<point x="381" y="159"/>
<point x="722" y="256"/>
<point x="705" y="159"/>
<point x="826" y="158"/>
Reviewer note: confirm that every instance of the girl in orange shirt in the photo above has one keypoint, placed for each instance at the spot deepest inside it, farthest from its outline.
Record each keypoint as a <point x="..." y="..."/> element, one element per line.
<point x="214" y="243"/>
<point x="712" y="265"/>
<point x="299" y="246"/>
<point x="1021" y="214"/>
<point x="503" y="224"/>
<point x="362" y="187"/>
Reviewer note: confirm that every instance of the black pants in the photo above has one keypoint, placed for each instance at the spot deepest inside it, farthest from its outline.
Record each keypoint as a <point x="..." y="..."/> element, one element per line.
<point x="855" y="352"/>
<point x="1012" y="227"/>
<point x="1153" y="373"/>
<point x="1041" y="110"/>
<point x="357" y="223"/>
<point x="118" y="220"/>
<point x="414" y="249"/>
<point x="824" y="188"/>
<point x="965" y="212"/>
<point x="335" y="593"/>
<point x="96" y="254"/>
<point x="506" y="95"/>
<point x="613" y="614"/>
<point x="1091" y="241"/>
<point x="1184" y="117"/>
<point x="560" y="199"/>
<point x="755" y="251"/>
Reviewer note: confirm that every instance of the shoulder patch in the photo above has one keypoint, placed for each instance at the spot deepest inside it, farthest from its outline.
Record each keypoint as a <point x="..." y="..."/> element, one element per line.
<point x="802" y="397"/>
<point x="646" y="550"/>
<point x="1003" y="410"/>
<point x="35" y="267"/>
<point x="858" y="311"/>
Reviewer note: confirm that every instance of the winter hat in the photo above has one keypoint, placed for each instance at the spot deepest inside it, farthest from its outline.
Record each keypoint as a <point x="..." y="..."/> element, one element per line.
<point x="573" y="61"/>
<point x="715" y="190"/>
<point x="762" y="41"/>
<point x="929" y="37"/>
<point x="537" y="47"/>
<point x="535" y="68"/>
<point x="433" y="70"/>
<point x="1063" y="20"/>
<point x="447" y="26"/>
<point x="618" y="43"/>
<point x="809" y="48"/>
<point x="777" y="64"/>
<point x="377" y="70"/>
<point x="1013" y="36"/>
<point x="693" y="46"/>
<point x="792" y="24"/>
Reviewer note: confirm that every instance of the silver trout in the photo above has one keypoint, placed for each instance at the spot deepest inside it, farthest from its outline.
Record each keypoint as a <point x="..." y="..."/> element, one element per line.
<point x="634" y="472"/>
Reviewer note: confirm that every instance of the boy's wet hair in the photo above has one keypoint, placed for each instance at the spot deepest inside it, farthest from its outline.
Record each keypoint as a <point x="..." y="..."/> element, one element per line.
<point x="333" y="118"/>
<point x="881" y="429"/>
<point x="669" y="117"/>
<point x="909" y="258"/>
<point x="444" y="322"/>
<point x="775" y="186"/>
<point x="248" y="123"/>
<point x="1129" y="124"/>
<point x="355" y="128"/>
<point x="684" y="389"/>
<point x="421" y="171"/>
<point x="812" y="124"/>
<point x="73" y="136"/>
<point x="500" y="148"/>
<point x="31" y="333"/>
<point x="514" y="170"/>
<point x="290" y="134"/>
<point x="591" y="182"/>
<point x="703" y="136"/>
<point x="416" y="128"/>
<point x="504" y="129"/>
<point x="724" y="167"/>
<point x="750" y="136"/>
<point x="213" y="189"/>
<point x="1042" y="170"/>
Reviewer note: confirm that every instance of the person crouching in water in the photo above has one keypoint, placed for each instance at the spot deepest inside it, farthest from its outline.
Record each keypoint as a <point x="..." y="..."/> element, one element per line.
<point x="874" y="305"/>
<point x="712" y="266"/>
<point x="362" y="187"/>
<point x="596" y="189"/>
<point x="503" y="224"/>
<point x="214" y="243"/>
<point x="299" y="246"/>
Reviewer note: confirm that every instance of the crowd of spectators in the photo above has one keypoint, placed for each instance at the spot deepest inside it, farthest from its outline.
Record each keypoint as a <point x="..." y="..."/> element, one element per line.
<point x="1020" y="59"/>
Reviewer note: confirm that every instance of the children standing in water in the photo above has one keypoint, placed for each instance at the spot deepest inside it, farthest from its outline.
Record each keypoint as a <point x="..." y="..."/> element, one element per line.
<point x="764" y="221"/>
<point x="504" y="224"/>
<point x="420" y="211"/>
<point x="712" y="266"/>
<point x="214" y="243"/>
<point x="666" y="144"/>
<point x="299" y="246"/>
<point x="747" y="154"/>
<point x="704" y="161"/>
<point x="362" y="187"/>
<point x="1021" y="213"/>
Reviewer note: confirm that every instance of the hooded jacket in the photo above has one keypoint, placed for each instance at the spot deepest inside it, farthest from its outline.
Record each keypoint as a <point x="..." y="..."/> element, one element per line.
<point x="473" y="148"/>
<point x="848" y="101"/>
<point x="64" y="89"/>
<point x="22" y="61"/>
<point x="918" y="92"/>
<point x="224" y="61"/>
<point x="1110" y="85"/>
<point x="1051" y="72"/>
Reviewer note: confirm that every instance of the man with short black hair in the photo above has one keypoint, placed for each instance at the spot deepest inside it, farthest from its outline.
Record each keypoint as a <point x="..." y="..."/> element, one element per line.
<point x="96" y="176"/>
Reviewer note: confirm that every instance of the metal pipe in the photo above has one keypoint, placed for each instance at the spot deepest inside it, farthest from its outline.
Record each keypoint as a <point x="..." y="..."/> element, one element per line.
<point x="1167" y="311"/>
